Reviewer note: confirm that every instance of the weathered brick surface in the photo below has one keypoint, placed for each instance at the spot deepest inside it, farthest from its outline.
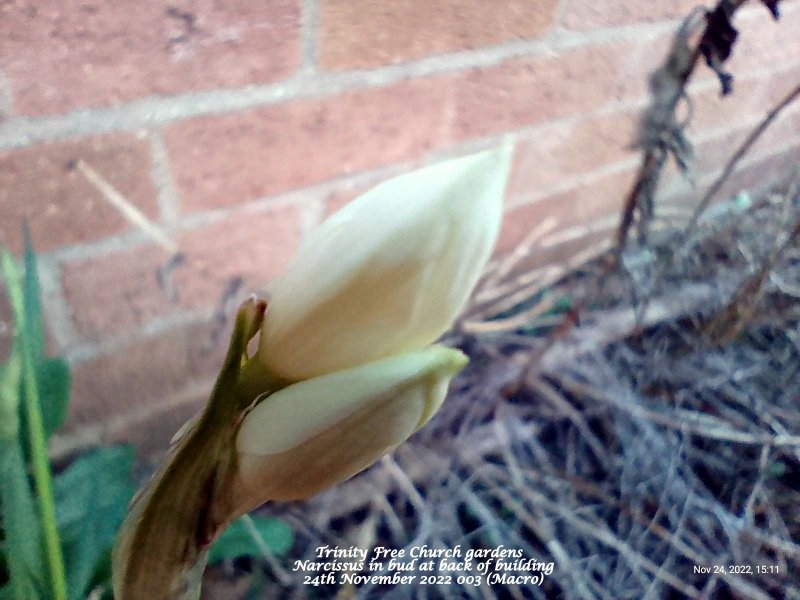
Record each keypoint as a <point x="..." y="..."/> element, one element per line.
<point x="764" y="43"/>
<point x="60" y="56"/>
<point x="341" y="197"/>
<point x="119" y="292"/>
<point x="710" y="110"/>
<point x="145" y="390"/>
<point x="134" y="376"/>
<point x="581" y="206"/>
<point x="38" y="184"/>
<point x="565" y="253"/>
<point x="224" y="160"/>
<point x="116" y="292"/>
<point x="712" y="150"/>
<point x="152" y="431"/>
<point x="549" y="157"/>
<point x="531" y="91"/>
<point x="756" y="174"/>
<point x="362" y="33"/>
<point x="762" y="173"/>
<point x="778" y="84"/>
<point x="599" y="14"/>
<point x="712" y="153"/>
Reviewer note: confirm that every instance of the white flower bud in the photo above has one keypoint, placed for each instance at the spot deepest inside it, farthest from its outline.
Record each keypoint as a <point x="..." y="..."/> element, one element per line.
<point x="316" y="433"/>
<point x="389" y="272"/>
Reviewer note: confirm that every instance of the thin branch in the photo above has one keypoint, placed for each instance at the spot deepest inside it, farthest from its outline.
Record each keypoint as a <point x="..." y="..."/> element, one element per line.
<point x="738" y="155"/>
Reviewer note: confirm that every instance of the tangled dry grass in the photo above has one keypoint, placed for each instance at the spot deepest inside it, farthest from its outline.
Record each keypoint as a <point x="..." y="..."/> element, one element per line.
<point x="654" y="437"/>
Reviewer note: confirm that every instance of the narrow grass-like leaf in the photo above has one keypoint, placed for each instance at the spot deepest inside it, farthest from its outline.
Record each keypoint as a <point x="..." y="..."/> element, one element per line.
<point x="52" y="374"/>
<point x="21" y="536"/>
<point x="34" y="327"/>
<point x="37" y="442"/>
<point x="22" y="543"/>
<point x="53" y="379"/>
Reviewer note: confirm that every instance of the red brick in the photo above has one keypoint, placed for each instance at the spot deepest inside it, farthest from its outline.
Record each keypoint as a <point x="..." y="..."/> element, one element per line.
<point x="711" y="110"/>
<point x="61" y="206"/>
<point x="564" y="253"/>
<point x="764" y="43"/>
<point x="555" y="154"/>
<point x="530" y="91"/>
<point x="362" y="33"/>
<point x="60" y="56"/>
<point x="758" y="174"/>
<point x="778" y="85"/>
<point x="151" y="432"/>
<point x="119" y="292"/>
<point x="144" y="391"/>
<point x="340" y="198"/>
<point x="713" y="153"/>
<point x="580" y="206"/>
<point x="599" y="14"/>
<point x="223" y="160"/>
<point x="763" y="173"/>
<point x="144" y="372"/>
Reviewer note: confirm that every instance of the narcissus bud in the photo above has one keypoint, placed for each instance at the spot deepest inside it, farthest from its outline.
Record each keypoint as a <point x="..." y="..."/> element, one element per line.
<point x="389" y="272"/>
<point x="318" y="432"/>
<point x="344" y="372"/>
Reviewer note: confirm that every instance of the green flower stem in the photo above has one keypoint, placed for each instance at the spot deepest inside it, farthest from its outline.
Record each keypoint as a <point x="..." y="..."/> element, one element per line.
<point x="42" y="478"/>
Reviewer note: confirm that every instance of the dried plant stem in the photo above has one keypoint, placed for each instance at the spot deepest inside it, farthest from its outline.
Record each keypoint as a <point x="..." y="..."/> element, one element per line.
<point x="675" y="75"/>
<point x="737" y="156"/>
<point x="125" y="207"/>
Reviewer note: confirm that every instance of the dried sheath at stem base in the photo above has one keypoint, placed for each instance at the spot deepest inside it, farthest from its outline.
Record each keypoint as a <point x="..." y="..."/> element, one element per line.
<point x="162" y="547"/>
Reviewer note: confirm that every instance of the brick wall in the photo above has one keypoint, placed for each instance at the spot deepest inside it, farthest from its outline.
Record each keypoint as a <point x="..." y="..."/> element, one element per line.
<point x="236" y="127"/>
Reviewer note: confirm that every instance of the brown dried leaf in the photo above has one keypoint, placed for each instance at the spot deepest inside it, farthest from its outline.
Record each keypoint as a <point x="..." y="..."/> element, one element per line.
<point x="773" y="7"/>
<point x="717" y="42"/>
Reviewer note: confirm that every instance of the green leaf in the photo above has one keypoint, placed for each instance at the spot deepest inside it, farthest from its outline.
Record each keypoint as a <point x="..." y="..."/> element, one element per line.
<point x="53" y="379"/>
<point x="37" y="442"/>
<point x="22" y="538"/>
<point x="562" y="305"/>
<point x="10" y="375"/>
<point x="92" y="496"/>
<point x="34" y="329"/>
<point x="101" y="584"/>
<point x="52" y="374"/>
<point x="21" y="532"/>
<point x="252" y="536"/>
